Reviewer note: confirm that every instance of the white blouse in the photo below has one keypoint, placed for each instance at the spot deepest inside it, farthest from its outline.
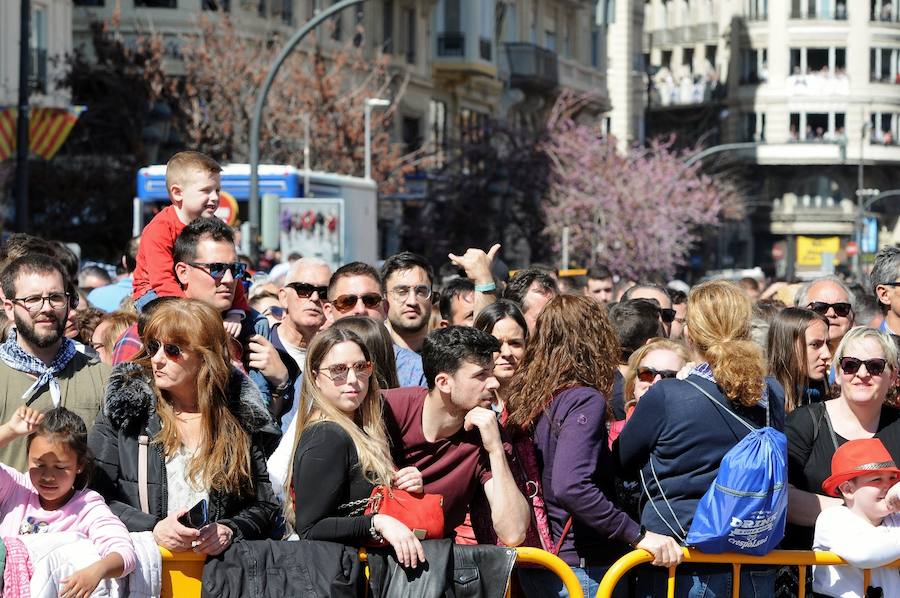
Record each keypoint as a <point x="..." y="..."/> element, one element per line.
<point x="183" y="493"/>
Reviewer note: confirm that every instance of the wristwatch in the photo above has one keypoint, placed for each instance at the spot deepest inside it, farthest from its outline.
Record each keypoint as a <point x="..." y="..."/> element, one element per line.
<point x="639" y="537"/>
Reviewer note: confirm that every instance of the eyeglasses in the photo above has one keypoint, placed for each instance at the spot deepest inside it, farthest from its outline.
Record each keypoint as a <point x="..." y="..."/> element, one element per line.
<point x="648" y="375"/>
<point x="274" y="311"/>
<point x="305" y="290"/>
<point x="218" y="269"/>
<point x="400" y="293"/>
<point x="170" y="349"/>
<point x="889" y="284"/>
<point x="850" y="365"/>
<point x="667" y="315"/>
<point x="338" y="372"/>
<point x="35" y="303"/>
<point x="841" y="310"/>
<point x="344" y="303"/>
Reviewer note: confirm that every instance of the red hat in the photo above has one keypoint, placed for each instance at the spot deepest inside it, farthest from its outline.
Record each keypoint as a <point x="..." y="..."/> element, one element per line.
<point x="855" y="458"/>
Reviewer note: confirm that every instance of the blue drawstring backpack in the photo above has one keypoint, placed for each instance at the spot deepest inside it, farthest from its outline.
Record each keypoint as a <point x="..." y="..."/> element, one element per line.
<point x="745" y="508"/>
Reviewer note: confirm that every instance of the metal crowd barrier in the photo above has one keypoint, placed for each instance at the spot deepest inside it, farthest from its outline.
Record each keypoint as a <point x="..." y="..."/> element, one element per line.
<point x="801" y="558"/>
<point x="183" y="571"/>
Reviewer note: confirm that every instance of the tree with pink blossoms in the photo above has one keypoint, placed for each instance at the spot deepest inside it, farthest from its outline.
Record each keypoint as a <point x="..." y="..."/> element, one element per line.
<point x="638" y="213"/>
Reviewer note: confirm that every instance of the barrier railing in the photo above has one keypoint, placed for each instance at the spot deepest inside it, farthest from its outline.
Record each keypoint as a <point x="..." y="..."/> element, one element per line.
<point x="183" y="571"/>
<point x="801" y="558"/>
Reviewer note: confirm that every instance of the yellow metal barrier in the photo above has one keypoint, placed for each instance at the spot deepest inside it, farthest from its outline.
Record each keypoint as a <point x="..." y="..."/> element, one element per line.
<point x="183" y="571"/>
<point x="801" y="558"/>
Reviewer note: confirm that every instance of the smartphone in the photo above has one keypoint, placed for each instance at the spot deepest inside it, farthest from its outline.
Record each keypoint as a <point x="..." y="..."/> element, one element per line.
<point x="197" y="517"/>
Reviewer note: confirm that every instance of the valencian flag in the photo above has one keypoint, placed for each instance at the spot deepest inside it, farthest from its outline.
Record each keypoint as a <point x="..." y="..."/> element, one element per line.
<point x="48" y="128"/>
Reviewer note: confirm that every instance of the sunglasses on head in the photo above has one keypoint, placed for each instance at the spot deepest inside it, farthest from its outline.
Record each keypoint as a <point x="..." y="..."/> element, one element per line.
<point x="841" y="310"/>
<point x="305" y="290"/>
<point x="345" y="303"/>
<point x="648" y="375"/>
<point x="170" y="349"/>
<point x="851" y="365"/>
<point x="218" y="269"/>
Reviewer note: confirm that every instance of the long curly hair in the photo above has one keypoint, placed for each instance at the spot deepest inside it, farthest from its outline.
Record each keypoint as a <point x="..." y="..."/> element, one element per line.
<point x="573" y="345"/>
<point x="718" y="327"/>
<point x="222" y="461"/>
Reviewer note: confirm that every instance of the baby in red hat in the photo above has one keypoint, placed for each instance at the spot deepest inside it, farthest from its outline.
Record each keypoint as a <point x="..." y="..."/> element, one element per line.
<point x="865" y="532"/>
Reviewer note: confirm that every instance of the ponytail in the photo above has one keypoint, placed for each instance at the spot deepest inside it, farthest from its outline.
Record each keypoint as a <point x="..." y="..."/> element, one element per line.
<point x="739" y="370"/>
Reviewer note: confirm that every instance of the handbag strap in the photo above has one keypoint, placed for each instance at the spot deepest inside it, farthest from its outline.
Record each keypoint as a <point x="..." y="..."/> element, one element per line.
<point x="143" y="441"/>
<point x="562" y="536"/>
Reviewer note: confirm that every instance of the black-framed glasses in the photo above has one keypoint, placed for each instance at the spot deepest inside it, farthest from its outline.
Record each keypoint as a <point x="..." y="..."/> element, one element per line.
<point x="35" y="303"/>
<point x="648" y="375"/>
<point x="841" y="310"/>
<point x="218" y="269"/>
<point x="338" y="372"/>
<point x="667" y="315"/>
<point x="170" y="349"/>
<point x="851" y="365"/>
<point x="305" y="290"/>
<point x="890" y="284"/>
<point x="344" y="303"/>
<point x="400" y="293"/>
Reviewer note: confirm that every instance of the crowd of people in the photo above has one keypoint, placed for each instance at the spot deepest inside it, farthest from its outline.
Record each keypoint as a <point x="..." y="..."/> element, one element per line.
<point x="198" y="406"/>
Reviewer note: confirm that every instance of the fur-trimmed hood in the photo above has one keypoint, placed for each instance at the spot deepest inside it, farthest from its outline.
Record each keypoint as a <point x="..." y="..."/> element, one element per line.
<point x="130" y="400"/>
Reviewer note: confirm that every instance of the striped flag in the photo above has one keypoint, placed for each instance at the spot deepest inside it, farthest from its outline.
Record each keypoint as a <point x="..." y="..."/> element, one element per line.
<point x="48" y="129"/>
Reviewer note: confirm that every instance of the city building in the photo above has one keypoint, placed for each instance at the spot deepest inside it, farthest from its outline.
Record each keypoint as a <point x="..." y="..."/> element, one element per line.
<point x="814" y="83"/>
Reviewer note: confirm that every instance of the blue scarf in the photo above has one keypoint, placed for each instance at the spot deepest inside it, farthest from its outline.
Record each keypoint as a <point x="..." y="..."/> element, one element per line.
<point x="15" y="357"/>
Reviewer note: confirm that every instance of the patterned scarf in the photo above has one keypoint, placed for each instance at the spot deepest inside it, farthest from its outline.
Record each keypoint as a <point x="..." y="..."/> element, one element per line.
<point x="15" y="357"/>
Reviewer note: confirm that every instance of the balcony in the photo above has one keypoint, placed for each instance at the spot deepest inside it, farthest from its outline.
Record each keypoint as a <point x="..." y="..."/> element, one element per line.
<point x="583" y="79"/>
<point x="532" y="67"/>
<point x="459" y="55"/>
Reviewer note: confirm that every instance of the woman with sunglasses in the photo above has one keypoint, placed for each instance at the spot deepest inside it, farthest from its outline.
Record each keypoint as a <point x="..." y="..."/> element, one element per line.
<point x="341" y="452"/>
<point x="181" y="426"/>
<point x="799" y="357"/>
<point x="660" y="359"/>
<point x="559" y="396"/>
<point x="866" y="362"/>
<point x="677" y="436"/>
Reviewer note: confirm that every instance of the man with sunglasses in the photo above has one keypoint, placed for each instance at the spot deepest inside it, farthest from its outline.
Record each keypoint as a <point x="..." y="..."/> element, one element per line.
<point x="831" y="297"/>
<point x="885" y="278"/>
<point x="39" y="366"/>
<point x="406" y="280"/>
<point x="355" y="290"/>
<point x="658" y="295"/>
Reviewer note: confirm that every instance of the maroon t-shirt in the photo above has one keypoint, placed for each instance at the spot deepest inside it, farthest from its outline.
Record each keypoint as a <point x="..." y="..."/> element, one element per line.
<point x="450" y="467"/>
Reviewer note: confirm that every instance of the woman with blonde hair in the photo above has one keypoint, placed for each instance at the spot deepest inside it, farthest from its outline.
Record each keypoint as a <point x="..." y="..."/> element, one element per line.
<point x="559" y="394"/>
<point x="341" y="451"/>
<point x="677" y="436"/>
<point x="180" y="425"/>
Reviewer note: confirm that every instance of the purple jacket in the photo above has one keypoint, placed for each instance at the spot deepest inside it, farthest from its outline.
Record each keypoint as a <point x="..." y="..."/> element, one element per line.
<point x="570" y="438"/>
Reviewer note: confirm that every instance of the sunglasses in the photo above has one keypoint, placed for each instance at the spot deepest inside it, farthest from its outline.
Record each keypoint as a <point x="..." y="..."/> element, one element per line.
<point x="841" y="310"/>
<point x="305" y="290"/>
<point x="851" y="365"/>
<point x="648" y="375"/>
<point x="345" y="303"/>
<point x="338" y="372"/>
<point x="421" y="291"/>
<point x="218" y="269"/>
<point x="170" y="349"/>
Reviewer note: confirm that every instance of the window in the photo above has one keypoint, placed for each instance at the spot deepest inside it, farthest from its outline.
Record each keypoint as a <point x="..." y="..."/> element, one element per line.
<point x="818" y="61"/>
<point x="220" y="5"/>
<point x="884" y="10"/>
<point x="37" y="67"/>
<point x="753" y="126"/>
<point x="261" y="8"/>
<point x="287" y="11"/>
<point x="606" y="12"/>
<point x="754" y="66"/>
<point x="667" y="59"/>
<point x="819" y="9"/>
<point x="410" y="130"/>
<point x="387" y="27"/>
<point x="550" y="40"/>
<point x="595" y="47"/>
<point x="711" y="55"/>
<point x="815" y="127"/>
<point x="437" y="126"/>
<point x="757" y="10"/>
<point x="157" y="3"/>
<point x="89" y="3"/>
<point x="884" y="128"/>
<point x="409" y="34"/>
<point x="883" y="65"/>
<point x="687" y="59"/>
<point x="486" y="34"/>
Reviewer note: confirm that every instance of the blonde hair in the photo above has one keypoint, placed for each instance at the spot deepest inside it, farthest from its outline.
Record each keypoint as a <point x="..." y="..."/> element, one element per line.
<point x="119" y="321"/>
<point x="222" y="460"/>
<point x="181" y="165"/>
<point x="718" y="325"/>
<point x="366" y="429"/>
<point x="659" y="344"/>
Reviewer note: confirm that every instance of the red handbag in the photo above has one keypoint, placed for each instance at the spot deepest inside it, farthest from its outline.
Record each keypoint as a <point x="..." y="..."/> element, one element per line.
<point x="423" y="514"/>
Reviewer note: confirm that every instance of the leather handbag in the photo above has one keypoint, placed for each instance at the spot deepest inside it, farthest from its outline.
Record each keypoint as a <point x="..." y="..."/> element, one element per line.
<point x="423" y="514"/>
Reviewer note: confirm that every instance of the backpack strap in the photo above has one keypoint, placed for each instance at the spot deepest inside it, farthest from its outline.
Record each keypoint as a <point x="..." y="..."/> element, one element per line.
<point x="682" y="537"/>
<point x="727" y="410"/>
<point x="143" y="441"/>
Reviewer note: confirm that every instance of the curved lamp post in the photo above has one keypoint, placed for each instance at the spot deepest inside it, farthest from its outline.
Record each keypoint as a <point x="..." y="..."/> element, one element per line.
<point x="261" y="102"/>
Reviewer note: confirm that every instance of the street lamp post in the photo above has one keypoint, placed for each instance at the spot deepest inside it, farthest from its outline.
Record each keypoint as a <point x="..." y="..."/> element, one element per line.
<point x="367" y="112"/>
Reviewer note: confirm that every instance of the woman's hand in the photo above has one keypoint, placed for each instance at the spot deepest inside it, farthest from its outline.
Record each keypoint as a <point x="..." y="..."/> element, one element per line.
<point x="213" y="539"/>
<point x="174" y="536"/>
<point x="665" y="550"/>
<point x="409" y="479"/>
<point x="405" y="544"/>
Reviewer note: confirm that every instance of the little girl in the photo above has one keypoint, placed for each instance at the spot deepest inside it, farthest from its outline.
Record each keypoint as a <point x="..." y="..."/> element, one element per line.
<point x="53" y="496"/>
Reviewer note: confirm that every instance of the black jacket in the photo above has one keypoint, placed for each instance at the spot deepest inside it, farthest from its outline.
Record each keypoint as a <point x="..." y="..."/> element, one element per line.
<point x="130" y="411"/>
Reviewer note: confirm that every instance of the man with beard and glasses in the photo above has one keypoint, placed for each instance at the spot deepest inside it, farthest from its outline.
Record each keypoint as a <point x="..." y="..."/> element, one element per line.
<point x="39" y="366"/>
<point x="406" y="281"/>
